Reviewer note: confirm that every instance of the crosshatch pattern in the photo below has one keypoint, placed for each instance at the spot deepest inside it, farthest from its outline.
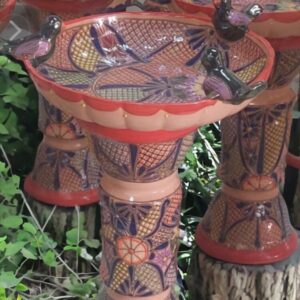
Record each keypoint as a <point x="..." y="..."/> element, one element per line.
<point x="144" y="60"/>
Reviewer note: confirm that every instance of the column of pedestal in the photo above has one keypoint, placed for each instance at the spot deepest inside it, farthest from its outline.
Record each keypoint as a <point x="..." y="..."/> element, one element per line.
<point x="66" y="172"/>
<point x="248" y="222"/>
<point x="141" y="198"/>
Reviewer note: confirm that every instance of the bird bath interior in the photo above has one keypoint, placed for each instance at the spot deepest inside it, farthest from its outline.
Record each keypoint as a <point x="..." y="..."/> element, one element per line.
<point x="135" y="83"/>
<point x="6" y="8"/>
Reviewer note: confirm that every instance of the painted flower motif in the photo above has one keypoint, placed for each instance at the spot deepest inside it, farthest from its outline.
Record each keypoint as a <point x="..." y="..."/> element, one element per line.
<point x="200" y="39"/>
<point x="259" y="183"/>
<point x="62" y="131"/>
<point x="163" y="258"/>
<point x="132" y="251"/>
<point x="255" y="210"/>
<point x="154" y="89"/>
<point x="60" y="160"/>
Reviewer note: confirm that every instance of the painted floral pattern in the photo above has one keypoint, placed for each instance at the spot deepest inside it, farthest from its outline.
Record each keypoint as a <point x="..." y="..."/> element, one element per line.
<point x="139" y="257"/>
<point x="143" y="61"/>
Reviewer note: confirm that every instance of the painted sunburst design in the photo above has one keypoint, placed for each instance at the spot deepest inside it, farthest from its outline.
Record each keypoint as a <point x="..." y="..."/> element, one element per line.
<point x="133" y="251"/>
<point x="200" y="39"/>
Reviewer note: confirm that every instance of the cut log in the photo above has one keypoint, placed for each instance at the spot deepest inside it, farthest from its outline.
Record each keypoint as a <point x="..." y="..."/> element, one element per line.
<point x="210" y="279"/>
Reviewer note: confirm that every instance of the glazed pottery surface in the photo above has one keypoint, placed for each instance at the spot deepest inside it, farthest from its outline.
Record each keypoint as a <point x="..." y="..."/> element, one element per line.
<point x="280" y="18"/>
<point x="143" y="72"/>
<point x="6" y="8"/>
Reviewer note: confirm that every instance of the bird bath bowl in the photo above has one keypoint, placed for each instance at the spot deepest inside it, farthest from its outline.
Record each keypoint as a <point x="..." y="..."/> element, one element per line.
<point x="6" y="8"/>
<point x="134" y="81"/>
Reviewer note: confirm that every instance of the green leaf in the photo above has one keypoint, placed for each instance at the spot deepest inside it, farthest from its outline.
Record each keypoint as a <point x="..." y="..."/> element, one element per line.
<point x="74" y="234"/>
<point x="28" y="254"/>
<point x="49" y="259"/>
<point x="8" y="280"/>
<point x="3" y="238"/>
<point x="92" y="243"/>
<point x="14" y="248"/>
<point x="21" y="287"/>
<point x="12" y="222"/>
<point x="3" y="129"/>
<point x="29" y="228"/>
<point x="73" y="248"/>
<point x="3" y="60"/>
<point x="15" y="68"/>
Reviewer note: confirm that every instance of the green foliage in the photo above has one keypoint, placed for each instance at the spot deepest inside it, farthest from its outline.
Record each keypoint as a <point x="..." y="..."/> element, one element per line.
<point x="18" y="115"/>
<point x="25" y="248"/>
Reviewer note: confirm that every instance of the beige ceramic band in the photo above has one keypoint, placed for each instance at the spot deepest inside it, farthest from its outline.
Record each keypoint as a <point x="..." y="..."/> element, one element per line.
<point x="141" y="192"/>
<point x="66" y="145"/>
<point x="250" y="195"/>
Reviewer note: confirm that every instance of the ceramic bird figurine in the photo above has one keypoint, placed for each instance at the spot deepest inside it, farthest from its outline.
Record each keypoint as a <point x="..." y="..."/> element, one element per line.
<point x="231" y="24"/>
<point x="37" y="47"/>
<point x="223" y="83"/>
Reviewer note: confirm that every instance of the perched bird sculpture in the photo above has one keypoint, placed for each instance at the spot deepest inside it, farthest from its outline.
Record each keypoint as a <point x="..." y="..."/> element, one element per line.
<point x="223" y="83"/>
<point x="232" y="24"/>
<point x="37" y="47"/>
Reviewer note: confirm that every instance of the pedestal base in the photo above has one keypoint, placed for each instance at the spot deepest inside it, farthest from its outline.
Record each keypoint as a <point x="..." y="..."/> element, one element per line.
<point x="210" y="279"/>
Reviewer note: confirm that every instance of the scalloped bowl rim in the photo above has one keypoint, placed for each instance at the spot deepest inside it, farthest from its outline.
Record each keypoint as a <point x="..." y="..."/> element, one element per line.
<point x="67" y="6"/>
<point x="140" y="108"/>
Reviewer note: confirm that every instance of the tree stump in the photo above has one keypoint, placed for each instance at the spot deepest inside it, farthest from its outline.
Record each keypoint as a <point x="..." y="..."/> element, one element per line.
<point x="211" y="279"/>
<point x="59" y="220"/>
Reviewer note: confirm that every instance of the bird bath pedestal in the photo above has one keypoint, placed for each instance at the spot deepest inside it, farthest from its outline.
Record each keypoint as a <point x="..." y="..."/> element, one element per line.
<point x="248" y="222"/>
<point x="135" y="82"/>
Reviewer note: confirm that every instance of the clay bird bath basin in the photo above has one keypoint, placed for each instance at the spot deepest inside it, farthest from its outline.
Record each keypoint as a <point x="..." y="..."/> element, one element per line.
<point x="140" y="75"/>
<point x="6" y="8"/>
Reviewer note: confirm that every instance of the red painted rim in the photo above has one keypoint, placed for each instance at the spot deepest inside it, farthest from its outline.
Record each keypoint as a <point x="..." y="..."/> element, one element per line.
<point x="285" y="43"/>
<point x="293" y="161"/>
<point x="133" y="136"/>
<point x="6" y="11"/>
<point x="247" y="257"/>
<point x="281" y="16"/>
<point x="51" y="197"/>
<point x="68" y="6"/>
<point x="137" y="108"/>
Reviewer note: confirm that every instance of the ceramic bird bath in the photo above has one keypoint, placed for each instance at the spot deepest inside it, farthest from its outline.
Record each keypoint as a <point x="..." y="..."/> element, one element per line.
<point x="140" y="84"/>
<point x="248" y="222"/>
<point x="6" y="8"/>
<point x="74" y="183"/>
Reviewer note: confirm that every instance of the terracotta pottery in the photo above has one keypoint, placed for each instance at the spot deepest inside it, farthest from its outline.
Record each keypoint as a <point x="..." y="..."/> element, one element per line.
<point x="6" y="8"/>
<point x="134" y="81"/>
<point x="248" y="222"/>
<point x="75" y="182"/>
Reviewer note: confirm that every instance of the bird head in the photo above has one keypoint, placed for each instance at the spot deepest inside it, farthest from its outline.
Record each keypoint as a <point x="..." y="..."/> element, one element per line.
<point x="52" y="27"/>
<point x="253" y="10"/>
<point x="211" y="59"/>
